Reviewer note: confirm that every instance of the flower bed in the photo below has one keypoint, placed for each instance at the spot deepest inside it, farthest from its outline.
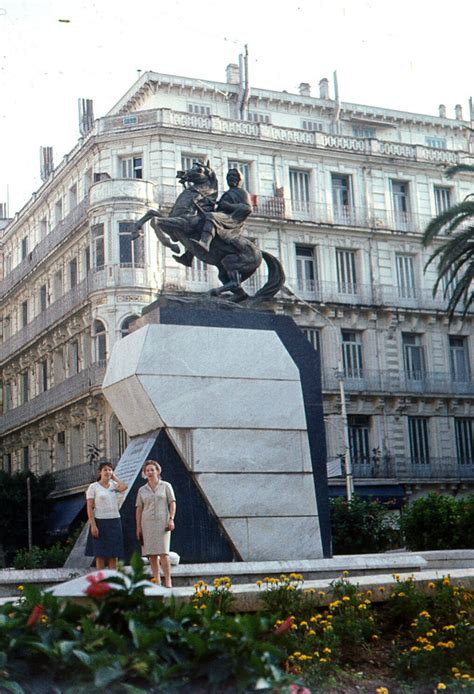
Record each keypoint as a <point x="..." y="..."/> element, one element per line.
<point x="119" y="639"/>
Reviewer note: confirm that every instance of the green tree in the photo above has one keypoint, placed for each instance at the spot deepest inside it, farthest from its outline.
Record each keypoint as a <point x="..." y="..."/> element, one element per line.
<point x="455" y="255"/>
<point x="13" y="509"/>
<point x="361" y="526"/>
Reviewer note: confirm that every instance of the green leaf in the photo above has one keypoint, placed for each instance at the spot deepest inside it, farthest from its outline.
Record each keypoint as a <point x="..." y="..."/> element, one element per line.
<point x="106" y="675"/>
<point x="83" y="657"/>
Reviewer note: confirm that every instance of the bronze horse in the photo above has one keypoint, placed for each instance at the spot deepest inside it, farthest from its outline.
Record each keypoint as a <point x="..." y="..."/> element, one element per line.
<point x="234" y="255"/>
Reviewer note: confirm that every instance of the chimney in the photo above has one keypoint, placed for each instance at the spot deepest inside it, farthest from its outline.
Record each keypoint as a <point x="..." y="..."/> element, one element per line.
<point x="3" y="210"/>
<point x="232" y="74"/>
<point x="46" y="162"/>
<point x="458" y="111"/>
<point x="442" y="111"/>
<point x="324" y="88"/>
<point x="304" y="89"/>
<point x="86" y="115"/>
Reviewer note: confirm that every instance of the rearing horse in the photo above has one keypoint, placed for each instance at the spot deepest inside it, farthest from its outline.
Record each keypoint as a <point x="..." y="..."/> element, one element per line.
<point x="234" y="255"/>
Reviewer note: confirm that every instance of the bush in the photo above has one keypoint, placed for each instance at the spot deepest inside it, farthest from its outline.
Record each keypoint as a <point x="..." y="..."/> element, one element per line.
<point x="438" y="521"/>
<point x="46" y="557"/>
<point x="361" y="526"/>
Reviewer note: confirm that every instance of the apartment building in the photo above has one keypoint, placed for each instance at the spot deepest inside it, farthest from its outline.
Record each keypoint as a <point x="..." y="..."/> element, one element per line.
<point x="341" y="194"/>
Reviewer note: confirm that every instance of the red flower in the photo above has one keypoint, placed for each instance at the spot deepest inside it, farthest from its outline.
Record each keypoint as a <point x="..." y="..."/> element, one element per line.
<point x="97" y="588"/>
<point x="35" y="615"/>
<point x="284" y="627"/>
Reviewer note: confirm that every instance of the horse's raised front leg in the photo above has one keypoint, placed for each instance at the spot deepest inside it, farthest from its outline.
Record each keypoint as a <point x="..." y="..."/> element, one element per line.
<point x="231" y="283"/>
<point x="155" y="223"/>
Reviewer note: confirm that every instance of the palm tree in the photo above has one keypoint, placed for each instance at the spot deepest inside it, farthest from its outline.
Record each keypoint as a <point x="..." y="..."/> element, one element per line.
<point x="455" y="255"/>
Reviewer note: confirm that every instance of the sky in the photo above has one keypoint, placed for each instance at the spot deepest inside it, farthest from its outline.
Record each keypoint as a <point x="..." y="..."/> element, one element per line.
<point x="408" y="55"/>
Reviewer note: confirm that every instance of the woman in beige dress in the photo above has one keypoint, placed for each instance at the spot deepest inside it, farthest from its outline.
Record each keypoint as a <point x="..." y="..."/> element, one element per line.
<point x="155" y="512"/>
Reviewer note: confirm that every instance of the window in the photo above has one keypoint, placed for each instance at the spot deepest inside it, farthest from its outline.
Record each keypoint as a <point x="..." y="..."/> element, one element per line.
<point x="75" y="448"/>
<point x="401" y="203"/>
<point x="244" y="168"/>
<point x="459" y="358"/>
<point x="60" y="450"/>
<point x="58" y="365"/>
<point x="57" y="285"/>
<point x="346" y="271"/>
<point x="442" y="199"/>
<point x="352" y="354"/>
<point x="26" y="458"/>
<point x="199" y="109"/>
<point x="43" y="376"/>
<point x="72" y="197"/>
<point x="7" y="462"/>
<point x="58" y="211"/>
<point x="464" y="441"/>
<point x="255" y="117"/>
<point x="24" y="247"/>
<point x="125" y="327"/>
<point x="24" y="313"/>
<point x="359" y="427"/>
<point x="364" y="131"/>
<point x="87" y="259"/>
<point x="73" y="358"/>
<point x="306" y="269"/>
<point x="7" y="396"/>
<point x="43" y="298"/>
<point x="413" y="356"/>
<point x="73" y="272"/>
<point x="437" y="142"/>
<point x="132" y="253"/>
<point x="87" y="181"/>
<point x="299" y="190"/>
<point x="43" y="228"/>
<point x="312" y="125"/>
<point x="25" y="386"/>
<point x="122" y="440"/>
<point x="405" y="276"/>
<point x="419" y="444"/>
<point x="98" y="246"/>
<point x="7" y="327"/>
<point x="100" y="339"/>
<point x="132" y="167"/>
<point x="342" y="198"/>
<point x="187" y="161"/>
<point x="314" y="337"/>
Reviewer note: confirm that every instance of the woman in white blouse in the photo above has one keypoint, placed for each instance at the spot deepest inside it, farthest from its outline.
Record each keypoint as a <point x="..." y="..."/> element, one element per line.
<point x="105" y="539"/>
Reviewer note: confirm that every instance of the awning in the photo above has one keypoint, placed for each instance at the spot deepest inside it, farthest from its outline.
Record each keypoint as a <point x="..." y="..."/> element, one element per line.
<point x="64" y="513"/>
<point x="382" y="493"/>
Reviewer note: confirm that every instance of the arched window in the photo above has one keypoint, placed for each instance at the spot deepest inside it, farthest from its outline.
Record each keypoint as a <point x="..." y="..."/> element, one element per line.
<point x="118" y="439"/>
<point x="125" y="327"/>
<point x="100" y="341"/>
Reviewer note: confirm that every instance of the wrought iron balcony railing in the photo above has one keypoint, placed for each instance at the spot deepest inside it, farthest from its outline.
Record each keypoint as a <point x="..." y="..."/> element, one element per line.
<point x="384" y="381"/>
<point x="70" y="389"/>
<point x="407" y="469"/>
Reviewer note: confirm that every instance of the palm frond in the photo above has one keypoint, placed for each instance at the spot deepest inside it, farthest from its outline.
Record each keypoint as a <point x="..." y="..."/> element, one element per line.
<point x="451" y="219"/>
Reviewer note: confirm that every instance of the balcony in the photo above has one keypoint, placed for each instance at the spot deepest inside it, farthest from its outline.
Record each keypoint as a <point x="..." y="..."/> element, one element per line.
<point x="54" y="239"/>
<point x="73" y="477"/>
<point x="404" y="469"/>
<point x="113" y="189"/>
<point x="382" y="381"/>
<point x="67" y="391"/>
<point x="166" y="118"/>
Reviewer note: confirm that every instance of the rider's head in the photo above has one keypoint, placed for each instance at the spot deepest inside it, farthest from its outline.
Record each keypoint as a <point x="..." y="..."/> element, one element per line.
<point x="234" y="178"/>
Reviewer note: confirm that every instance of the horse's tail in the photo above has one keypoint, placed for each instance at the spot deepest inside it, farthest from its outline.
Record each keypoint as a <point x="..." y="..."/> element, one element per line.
<point x="276" y="278"/>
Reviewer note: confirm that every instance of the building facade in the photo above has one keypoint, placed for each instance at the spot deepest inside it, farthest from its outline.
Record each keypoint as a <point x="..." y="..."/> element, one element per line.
<point x="341" y="194"/>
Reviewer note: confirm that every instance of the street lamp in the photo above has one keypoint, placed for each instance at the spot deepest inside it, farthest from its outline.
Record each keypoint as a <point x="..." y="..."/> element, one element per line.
<point x="340" y="377"/>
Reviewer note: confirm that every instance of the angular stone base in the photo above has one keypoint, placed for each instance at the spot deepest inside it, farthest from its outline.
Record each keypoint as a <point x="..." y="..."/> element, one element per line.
<point x="230" y="405"/>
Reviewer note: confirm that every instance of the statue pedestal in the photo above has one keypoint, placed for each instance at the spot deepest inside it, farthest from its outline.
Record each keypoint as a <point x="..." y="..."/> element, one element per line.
<point x="229" y="403"/>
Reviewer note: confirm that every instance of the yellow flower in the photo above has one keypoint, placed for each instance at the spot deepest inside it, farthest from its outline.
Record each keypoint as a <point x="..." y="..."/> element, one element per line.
<point x="448" y="627"/>
<point x="345" y="573"/>
<point x="327" y="650"/>
<point x="362" y="606"/>
<point x="396" y="577"/>
<point x="401" y="594"/>
<point x="311" y="632"/>
<point x="425" y="614"/>
<point x="21" y="587"/>
<point x="441" y="685"/>
<point x="369" y="593"/>
<point x="381" y="589"/>
<point x="428" y="647"/>
<point x="381" y="690"/>
<point x="346" y="598"/>
<point x="259" y="583"/>
<point x="446" y="581"/>
<point x="431" y="585"/>
<point x="321" y="593"/>
<point x="323" y="660"/>
<point x="414" y="649"/>
<point x="374" y="637"/>
<point x="203" y="607"/>
<point x="296" y="577"/>
<point x="450" y="644"/>
<point x="294" y="627"/>
<point x="44" y="618"/>
<point x="303" y="624"/>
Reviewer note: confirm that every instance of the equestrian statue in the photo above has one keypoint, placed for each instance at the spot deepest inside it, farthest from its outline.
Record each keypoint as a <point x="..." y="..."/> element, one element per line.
<point x="211" y="231"/>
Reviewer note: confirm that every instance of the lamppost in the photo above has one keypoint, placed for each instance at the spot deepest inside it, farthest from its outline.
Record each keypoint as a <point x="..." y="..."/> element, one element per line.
<point x="340" y="378"/>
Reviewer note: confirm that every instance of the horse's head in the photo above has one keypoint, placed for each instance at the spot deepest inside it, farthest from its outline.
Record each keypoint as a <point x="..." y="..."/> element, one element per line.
<point x="199" y="174"/>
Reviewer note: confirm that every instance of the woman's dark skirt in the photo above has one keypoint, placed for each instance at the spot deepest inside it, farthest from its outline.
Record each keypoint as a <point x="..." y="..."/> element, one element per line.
<point x="109" y="544"/>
